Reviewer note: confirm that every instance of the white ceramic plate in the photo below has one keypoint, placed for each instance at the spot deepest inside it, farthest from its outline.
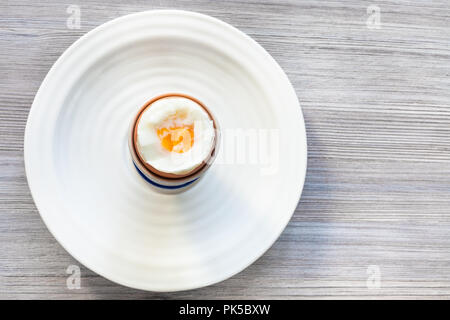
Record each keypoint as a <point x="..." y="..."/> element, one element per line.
<point x="80" y="172"/>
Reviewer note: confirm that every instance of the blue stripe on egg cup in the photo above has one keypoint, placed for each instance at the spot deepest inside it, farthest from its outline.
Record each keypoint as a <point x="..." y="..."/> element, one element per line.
<point x="160" y="185"/>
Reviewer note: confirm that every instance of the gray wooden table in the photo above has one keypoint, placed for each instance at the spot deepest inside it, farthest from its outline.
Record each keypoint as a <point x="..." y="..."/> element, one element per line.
<point x="373" y="81"/>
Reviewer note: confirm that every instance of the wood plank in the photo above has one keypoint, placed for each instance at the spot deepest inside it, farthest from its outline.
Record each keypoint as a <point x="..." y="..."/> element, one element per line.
<point x="377" y="109"/>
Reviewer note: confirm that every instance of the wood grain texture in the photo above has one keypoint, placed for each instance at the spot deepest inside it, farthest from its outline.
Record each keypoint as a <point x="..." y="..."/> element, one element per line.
<point x="377" y="110"/>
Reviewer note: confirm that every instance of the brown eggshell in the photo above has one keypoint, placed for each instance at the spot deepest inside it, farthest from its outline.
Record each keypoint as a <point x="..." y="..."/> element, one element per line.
<point x="159" y="173"/>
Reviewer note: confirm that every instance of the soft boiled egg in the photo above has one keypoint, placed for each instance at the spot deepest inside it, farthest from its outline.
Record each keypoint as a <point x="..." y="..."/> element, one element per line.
<point x="175" y="135"/>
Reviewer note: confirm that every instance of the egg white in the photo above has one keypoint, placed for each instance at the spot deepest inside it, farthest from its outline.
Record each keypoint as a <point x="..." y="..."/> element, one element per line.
<point x="149" y="144"/>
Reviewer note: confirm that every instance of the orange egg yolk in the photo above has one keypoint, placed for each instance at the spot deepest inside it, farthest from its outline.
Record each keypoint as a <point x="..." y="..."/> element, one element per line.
<point x="176" y="138"/>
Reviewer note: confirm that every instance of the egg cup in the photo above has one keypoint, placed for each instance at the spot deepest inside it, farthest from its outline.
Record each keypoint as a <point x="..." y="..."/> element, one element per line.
<point x="164" y="180"/>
